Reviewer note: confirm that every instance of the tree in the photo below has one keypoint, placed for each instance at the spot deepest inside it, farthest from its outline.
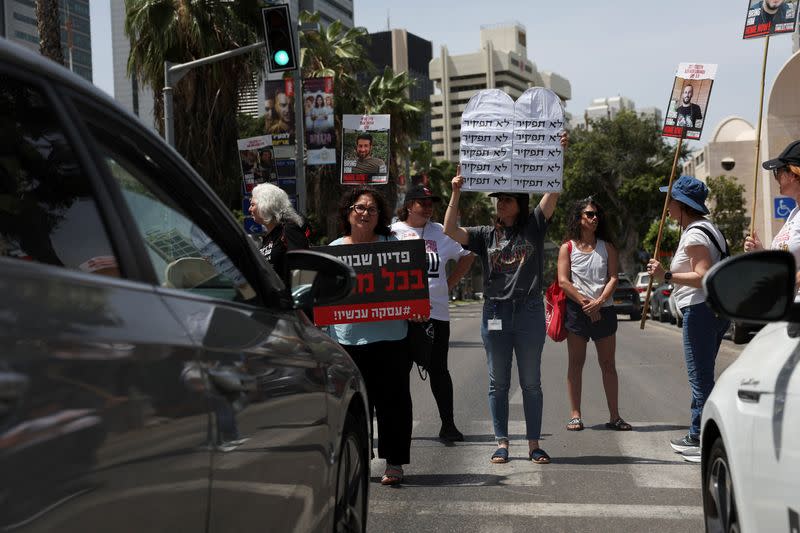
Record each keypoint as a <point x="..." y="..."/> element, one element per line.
<point x="620" y="163"/>
<point x="49" y="25"/>
<point x="726" y="198"/>
<point x="207" y="98"/>
<point x="669" y="238"/>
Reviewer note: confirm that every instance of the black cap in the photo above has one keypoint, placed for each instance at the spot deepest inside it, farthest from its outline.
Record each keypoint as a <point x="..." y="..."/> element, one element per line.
<point x="789" y="156"/>
<point x="421" y="192"/>
<point x="517" y="195"/>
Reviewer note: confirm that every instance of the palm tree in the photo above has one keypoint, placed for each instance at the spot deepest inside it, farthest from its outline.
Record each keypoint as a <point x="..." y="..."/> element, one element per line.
<point x="207" y="98"/>
<point x="49" y="26"/>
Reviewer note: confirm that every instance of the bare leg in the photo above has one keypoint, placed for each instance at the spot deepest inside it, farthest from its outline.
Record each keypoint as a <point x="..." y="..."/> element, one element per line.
<point x="576" y="346"/>
<point x="606" y="351"/>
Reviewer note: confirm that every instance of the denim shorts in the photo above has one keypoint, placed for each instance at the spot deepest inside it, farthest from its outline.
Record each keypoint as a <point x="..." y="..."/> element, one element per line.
<point x="580" y="324"/>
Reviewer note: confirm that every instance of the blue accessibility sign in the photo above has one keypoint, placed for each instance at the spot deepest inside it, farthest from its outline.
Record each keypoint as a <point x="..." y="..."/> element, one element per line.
<point x="783" y="205"/>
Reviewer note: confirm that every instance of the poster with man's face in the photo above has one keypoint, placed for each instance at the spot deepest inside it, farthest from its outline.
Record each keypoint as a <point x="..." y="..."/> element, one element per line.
<point x="365" y="149"/>
<point x="257" y="159"/>
<point x="319" y="121"/>
<point x="688" y="101"/>
<point x="769" y="17"/>
<point x="279" y="110"/>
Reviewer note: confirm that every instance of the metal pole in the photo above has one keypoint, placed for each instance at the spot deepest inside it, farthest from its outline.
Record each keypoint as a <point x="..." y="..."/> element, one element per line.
<point x="169" y="126"/>
<point x="299" y="132"/>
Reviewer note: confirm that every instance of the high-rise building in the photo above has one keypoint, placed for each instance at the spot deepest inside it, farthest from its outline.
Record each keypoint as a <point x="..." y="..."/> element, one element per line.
<point x="18" y="23"/>
<point x="609" y="108"/>
<point x="501" y="63"/>
<point x="405" y="52"/>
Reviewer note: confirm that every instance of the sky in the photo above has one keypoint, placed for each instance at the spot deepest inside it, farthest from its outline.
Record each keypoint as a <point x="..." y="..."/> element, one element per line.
<point x="608" y="48"/>
<point x="604" y="49"/>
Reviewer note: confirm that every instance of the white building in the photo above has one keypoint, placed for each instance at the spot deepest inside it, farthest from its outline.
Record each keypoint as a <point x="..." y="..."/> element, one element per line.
<point x="609" y="108"/>
<point x="502" y="63"/>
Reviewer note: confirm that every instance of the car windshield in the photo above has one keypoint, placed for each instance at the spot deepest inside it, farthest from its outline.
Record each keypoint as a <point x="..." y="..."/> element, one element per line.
<point x="624" y="284"/>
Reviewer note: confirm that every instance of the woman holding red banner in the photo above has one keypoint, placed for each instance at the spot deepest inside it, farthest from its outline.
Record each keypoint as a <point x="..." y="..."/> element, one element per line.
<point x="379" y="349"/>
<point x="587" y="273"/>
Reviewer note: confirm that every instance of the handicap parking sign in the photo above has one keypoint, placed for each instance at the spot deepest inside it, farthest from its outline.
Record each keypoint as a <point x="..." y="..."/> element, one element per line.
<point x="783" y="205"/>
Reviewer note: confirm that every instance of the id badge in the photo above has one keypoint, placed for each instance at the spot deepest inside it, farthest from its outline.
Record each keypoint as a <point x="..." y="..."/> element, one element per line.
<point x="495" y="324"/>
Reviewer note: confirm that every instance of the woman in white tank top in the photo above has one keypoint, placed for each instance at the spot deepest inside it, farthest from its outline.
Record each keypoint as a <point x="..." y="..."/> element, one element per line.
<point x="587" y="272"/>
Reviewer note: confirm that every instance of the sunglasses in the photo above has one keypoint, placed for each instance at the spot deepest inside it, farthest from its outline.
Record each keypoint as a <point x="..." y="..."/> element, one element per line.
<point x="361" y="209"/>
<point x="776" y="172"/>
<point x="591" y="214"/>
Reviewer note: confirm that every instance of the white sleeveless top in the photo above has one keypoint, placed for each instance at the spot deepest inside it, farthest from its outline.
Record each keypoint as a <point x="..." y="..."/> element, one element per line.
<point x="590" y="270"/>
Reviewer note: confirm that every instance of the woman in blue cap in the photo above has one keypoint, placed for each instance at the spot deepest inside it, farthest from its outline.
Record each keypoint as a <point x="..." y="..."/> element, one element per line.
<point x="701" y="246"/>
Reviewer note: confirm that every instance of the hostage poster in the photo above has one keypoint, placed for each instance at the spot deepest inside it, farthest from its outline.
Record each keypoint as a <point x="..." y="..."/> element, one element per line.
<point x="769" y="17"/>
<point x="318" y="119"/>
<point x="365" y="149"/>
<point x="279" y="110"/>
<point x="688" y="100"/>
<point x="392" y="283"/>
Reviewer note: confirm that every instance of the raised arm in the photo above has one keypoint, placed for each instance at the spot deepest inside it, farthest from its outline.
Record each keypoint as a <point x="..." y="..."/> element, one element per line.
<point x="451" y="227"/>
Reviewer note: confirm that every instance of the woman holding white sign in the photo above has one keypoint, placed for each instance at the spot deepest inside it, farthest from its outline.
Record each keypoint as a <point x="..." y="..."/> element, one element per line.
<point x="511" y="250"/>
<point x="379" y="349"/>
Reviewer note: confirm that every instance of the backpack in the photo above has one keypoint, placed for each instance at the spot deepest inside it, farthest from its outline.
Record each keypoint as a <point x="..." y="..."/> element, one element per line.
<point x="724" y="254"/>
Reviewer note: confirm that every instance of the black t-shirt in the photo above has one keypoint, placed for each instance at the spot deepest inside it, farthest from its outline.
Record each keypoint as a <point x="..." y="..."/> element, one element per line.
<point x="281" y="239"/>
<point x="689" y="115"/>
<point x="513" y="260"/>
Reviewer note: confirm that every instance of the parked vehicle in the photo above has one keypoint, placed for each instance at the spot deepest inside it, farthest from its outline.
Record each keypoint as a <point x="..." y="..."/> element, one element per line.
<point x="640" y="283"/>
<point x="626" y="300"/>
<point x="750" y="438"/>
<point x="675" y="311"/>
<point x="659" y="303"/>
<point x="155" y="372"/>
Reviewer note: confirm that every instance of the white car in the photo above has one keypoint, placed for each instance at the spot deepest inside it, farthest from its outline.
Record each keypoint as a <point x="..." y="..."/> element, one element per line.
<point x="750" y="437"/>
<point x="640" y="283"/>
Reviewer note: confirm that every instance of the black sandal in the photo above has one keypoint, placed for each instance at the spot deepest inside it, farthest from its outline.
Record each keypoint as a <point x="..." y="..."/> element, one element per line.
<point x="619" y="425"/>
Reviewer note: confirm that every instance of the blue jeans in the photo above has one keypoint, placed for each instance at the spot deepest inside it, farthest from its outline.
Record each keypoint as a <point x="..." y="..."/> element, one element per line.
<point x="702" y="336"/>
<point x="523" y="333"/>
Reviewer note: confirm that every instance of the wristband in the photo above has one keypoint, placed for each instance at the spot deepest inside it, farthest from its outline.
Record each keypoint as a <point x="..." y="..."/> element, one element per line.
<point x="667" y="275"/>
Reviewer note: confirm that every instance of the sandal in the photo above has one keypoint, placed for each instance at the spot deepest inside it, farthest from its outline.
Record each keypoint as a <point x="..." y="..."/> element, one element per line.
<point x="393" y="475"/>
<point x="500" y="455"/>
<point x="619" y="425"/>
<point x="539" y="456"/>
<point x="575" y="424"/>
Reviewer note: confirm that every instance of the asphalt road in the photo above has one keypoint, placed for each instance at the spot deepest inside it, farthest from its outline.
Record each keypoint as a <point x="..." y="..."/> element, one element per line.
<point x="599" y="480"/>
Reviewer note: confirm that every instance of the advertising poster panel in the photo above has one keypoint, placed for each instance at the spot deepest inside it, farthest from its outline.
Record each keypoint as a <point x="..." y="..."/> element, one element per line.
<point x="318" y="120"/>
<point x="365" y="149"/>
<point x="279" y="110"/>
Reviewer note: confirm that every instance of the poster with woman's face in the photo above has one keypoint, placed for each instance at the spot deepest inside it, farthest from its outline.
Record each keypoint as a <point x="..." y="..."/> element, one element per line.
<point x="769" y="17"/>
<point x="688" y="101"/>
<point x="318" y="117"/>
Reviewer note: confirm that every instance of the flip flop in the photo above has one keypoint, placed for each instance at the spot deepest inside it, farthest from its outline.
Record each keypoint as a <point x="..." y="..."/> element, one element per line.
<point x="619" y="425"/>
<point x="392" y="476"/>
<point x="500" y="455"/>
<point x="539" y="456"/>
<point x="575" y="424"/>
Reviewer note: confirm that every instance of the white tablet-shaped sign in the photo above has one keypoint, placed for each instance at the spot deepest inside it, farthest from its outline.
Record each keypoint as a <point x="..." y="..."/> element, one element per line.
<point x="538" y="159"/>
<point x="487" y="129"/>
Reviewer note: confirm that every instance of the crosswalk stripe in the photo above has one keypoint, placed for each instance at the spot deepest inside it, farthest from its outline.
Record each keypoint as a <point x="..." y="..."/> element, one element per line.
<point x="658" y="466"/>
<point x="531" y="509"/>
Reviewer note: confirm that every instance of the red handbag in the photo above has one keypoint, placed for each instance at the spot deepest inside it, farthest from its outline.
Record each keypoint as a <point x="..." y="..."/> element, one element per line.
<point x="555" y="308"/>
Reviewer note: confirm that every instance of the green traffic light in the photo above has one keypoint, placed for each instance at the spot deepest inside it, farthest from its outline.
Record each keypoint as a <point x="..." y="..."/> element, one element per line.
<point x="281" y="57"/>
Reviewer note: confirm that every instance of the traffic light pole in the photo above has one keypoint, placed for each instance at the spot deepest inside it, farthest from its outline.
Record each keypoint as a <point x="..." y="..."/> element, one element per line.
<point x="299" y="136"/>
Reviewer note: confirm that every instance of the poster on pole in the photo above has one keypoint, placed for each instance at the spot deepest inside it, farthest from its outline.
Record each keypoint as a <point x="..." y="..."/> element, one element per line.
<point x="538" y="159"/>
<point x="318" y="119"/>
<point x="257" y="161"/>
<point x="688" y="100"/>
<point x="391" y="283"/>
<point x="279" y="110"/>
<point x="769" y="17"/>
<point x="487" y="132"/>
<point x="365" y="149"/>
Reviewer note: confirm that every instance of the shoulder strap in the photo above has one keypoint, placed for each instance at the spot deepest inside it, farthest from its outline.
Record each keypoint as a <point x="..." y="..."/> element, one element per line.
<point x="723" y="253"/>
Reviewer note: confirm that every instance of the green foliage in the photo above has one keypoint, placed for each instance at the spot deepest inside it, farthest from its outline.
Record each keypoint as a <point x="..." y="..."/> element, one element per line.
<point x="620" y="163"/>
<point x="421" y="157"/>
<point x="669" y="238"/>
<point x="475" y="208"/>
<point x="249" y="126"/>
<point x="727" y="206"/>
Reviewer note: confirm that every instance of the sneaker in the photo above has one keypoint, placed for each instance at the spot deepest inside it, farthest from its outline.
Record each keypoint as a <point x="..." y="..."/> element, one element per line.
<point x="692" y="455"/>
<point x="450" y="432"/>
<point x="687" y="442"/>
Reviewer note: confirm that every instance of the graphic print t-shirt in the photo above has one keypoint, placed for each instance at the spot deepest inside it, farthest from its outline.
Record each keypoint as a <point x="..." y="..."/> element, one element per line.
<point x="439" y="249"/>
<point x="513" y="260"/>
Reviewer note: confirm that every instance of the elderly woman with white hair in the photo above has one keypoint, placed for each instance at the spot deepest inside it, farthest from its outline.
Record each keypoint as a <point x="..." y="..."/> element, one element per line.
<point x="270" y="207"/>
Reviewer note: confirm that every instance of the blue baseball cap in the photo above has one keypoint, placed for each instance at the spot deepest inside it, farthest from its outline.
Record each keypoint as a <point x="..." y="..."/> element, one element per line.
<point x="689" y="191"/>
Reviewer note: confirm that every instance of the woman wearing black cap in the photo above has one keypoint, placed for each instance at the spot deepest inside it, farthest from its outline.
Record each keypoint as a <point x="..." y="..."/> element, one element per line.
<point x="786" y="170"/>
<point x="415" y="223"/>
<point x="511" y="250"/>
<point x="701" y="245"/>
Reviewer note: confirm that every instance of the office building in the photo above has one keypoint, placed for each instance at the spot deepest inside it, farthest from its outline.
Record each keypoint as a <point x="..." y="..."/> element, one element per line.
<point x="18" y="23"/>
<point x="502" y="62"/>
<point x="608" y="108"/>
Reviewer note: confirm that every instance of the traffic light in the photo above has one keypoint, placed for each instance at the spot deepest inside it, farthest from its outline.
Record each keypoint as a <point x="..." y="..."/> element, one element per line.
<point x="279" y="37"/>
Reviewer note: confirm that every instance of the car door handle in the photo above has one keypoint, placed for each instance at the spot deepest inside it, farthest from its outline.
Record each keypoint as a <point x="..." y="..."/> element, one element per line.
<point x="749" y="396"/>
<point x="12" y="386"/>
<point x="232" y="380"/>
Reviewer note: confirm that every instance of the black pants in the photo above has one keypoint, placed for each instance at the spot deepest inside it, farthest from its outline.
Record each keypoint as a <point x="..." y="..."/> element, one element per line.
<point x="441" y="382"/>
<point x="385" y="367"/>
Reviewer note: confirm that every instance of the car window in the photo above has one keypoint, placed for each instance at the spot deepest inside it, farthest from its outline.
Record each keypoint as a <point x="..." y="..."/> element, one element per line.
<point x="48" y="212"/>
<point x="183" y="255"/>
<point x="624" y="284"/>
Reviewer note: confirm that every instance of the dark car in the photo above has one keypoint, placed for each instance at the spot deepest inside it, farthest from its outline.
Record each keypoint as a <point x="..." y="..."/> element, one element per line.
<point x="659" y="303"/>
<point x="155" y="372"/>
<point x="626" y="299"/>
